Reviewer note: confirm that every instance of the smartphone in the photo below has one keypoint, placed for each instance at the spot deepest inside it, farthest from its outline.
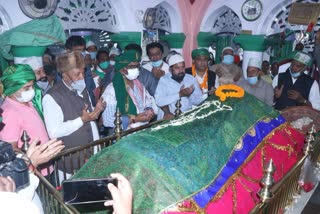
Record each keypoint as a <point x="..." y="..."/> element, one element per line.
<point x="86" y="191"/>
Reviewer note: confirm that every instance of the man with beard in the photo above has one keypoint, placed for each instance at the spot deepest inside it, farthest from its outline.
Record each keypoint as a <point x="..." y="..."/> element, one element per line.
<point x="294" y="87"/>
<point x="174" y="86"/>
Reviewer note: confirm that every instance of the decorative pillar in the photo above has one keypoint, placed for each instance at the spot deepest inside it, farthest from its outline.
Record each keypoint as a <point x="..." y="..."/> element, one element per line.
<point x="253" y="47"/>
<point x="125" y="38"/>
<point x="174" y="40"/>
<point x="205" y="39"/>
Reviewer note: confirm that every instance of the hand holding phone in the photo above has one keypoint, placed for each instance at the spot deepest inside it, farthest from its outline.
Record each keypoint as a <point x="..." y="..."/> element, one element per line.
<point x="86" y="191"/>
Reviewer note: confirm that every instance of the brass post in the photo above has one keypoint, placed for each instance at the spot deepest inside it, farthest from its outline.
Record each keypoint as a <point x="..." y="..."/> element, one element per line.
<point x="267" y="182"/>
<point x="25" y="139"/>
<point x="118" y="123"/>
<point x="178" y="111"/>
<point x="308" y="147"/>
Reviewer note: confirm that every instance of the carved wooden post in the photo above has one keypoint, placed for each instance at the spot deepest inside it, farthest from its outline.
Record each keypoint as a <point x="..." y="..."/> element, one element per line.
<point x="118" y="124"/>
<point x="25" y="139"/>
<point x="267" y="182"/>
<point x="178" y="111"/>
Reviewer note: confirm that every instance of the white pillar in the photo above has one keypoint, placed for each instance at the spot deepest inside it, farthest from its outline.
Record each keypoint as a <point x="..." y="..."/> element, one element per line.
<point x="246" y="56"/>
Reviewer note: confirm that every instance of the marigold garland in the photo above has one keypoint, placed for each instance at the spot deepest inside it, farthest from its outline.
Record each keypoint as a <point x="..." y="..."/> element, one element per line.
<point x="231" y="91"/>
<point x="204" y="84"/>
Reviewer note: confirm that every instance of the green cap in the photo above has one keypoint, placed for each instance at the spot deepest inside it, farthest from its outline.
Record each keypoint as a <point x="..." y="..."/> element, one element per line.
<point x="200" y="52"/>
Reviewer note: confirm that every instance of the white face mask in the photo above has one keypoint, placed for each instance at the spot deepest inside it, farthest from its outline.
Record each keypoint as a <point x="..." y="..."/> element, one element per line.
<point x="79" y="85"/>
<point x="112" y="62"/>
<point x="43" y="84"/>
<point x="133" y="73"/>
<point x="26" y="96"/>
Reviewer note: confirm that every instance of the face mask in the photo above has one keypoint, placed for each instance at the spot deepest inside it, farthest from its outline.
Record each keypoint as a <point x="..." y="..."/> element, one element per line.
<point x="295" y="75"/>
<point x="178" y="77"/>
<point x="252" y="80"/>
<point x="93" y="55"/>
<point x="132" y="74"/>
<point x="228" y="59"/>
<point x="157" y="64"/>
<point x="104" y="65"/>
<point x="79" y="85"/>
<point x="112" y="62"/>
<point x="26" y="96"/>
<point x="43" y="84"/>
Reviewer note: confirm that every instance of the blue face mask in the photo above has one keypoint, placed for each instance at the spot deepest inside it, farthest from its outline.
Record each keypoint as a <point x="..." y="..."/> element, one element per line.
<point x="228" y="59"/>
<point x="93" y="55"/>
<point x="295" y="75"/>
<point x="79" y="85"/>
<point x="157" y="64"/>
<point x="104" y="65"/>
<point x="252" y="80"/>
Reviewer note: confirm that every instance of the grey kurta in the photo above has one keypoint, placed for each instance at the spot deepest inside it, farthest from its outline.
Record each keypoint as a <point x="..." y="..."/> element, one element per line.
<point x="262" y="90"/>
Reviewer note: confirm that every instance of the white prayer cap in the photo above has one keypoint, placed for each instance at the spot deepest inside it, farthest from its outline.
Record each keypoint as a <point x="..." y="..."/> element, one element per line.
<point x="114" y="51"/>
<point x="174" y="59"/>
<point x="302" y="57"/>
<point x="227" y="48"/>
<point x="254" y="62"/>
<point x="31" y="55"/>
<point x="35" y="62"/>
<point x="90" y="43"/>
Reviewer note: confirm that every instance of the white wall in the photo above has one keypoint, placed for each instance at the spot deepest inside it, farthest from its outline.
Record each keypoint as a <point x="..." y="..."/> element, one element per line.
<point x="17" y="17"/>
<point x="259" y="26"/>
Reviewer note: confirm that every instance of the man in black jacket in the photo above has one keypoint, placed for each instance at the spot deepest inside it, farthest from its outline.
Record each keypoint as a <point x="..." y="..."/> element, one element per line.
<point x="199" y="69"/>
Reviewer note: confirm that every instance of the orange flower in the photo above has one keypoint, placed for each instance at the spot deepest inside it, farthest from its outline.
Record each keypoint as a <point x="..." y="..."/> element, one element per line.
<point x="230" y="90"/>
<point x="204" y="84"/>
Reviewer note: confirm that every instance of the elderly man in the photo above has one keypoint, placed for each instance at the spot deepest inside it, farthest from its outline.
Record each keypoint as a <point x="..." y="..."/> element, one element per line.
<point x="227" y="71"/>
<point x="68" y="111"/>
<point x="20" y="115"/>
<point x="174" y="86"/>
<point x="156" y="65"/>
<point x="199" y="69"/>
<point x="255" y="85"/>
<point x="128" y="94"/>
<point x="294" y="87"/>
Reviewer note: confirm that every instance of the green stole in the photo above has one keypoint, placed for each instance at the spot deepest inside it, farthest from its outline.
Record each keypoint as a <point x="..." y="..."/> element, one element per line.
<point x="37" y="100"/>
<point x="124" y="101"/>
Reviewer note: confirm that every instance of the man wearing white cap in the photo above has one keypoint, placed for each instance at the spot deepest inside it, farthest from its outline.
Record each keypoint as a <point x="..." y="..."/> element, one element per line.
<point x="255" y="85"/>
<point x="294" y="87"/>
<point x="174" y="86"/>
<point x="227" y="71"/>
<point x="114" y="51"/>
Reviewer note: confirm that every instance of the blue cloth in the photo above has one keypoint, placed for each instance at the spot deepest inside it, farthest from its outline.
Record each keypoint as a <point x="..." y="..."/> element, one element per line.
<point x="249" y="143"/>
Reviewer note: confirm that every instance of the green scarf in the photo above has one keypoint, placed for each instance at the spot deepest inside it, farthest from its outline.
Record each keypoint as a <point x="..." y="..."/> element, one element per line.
<point x="37" y="100"/>
<point x="15" y="77"/>
<point x="124" y="101"/>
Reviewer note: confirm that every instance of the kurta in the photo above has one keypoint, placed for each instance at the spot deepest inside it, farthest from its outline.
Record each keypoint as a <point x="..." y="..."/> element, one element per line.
<point x="167" y="93"/>
<point x="262" y="90"/>
<point x="18" y="117"/>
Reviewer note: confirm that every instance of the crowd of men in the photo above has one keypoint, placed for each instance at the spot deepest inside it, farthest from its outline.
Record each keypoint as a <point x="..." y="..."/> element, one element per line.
<point x="72" y="98"/>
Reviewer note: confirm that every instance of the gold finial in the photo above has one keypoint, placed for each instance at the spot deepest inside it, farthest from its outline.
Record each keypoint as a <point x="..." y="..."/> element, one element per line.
<point x="25" y="139"/>
<point x="118" y="123"/>
<point x="178" y="111"/>
<point x="267" y="182"/>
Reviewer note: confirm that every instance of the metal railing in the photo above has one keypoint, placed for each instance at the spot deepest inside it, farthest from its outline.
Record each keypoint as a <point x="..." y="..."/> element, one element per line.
<point x="284" y="191"/>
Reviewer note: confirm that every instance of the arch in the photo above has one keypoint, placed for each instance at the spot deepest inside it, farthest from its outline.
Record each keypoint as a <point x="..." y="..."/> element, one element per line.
<point x="84" y="14"/>
<point x="164" y="15"/>
<point x="276" y="22"/>
<point x="222" y="20"/>
<point x="5" y="20"/>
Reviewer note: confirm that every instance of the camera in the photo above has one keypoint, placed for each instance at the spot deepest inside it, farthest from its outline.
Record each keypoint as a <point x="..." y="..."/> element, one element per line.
<point x="12" y="166"/>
